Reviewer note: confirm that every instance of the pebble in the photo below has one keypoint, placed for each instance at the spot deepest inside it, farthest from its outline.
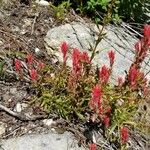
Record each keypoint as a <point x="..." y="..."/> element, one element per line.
<point x="18" y="108"/>
<point x="42" y="2"/>
<point x="48" y="122"/>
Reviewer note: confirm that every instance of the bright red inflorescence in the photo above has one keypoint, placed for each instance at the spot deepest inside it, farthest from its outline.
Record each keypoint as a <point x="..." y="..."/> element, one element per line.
<point x="104" y="74"/>
<point x="85" y="57"/>
<point x="92" y="146"/>
<point x="106" y="121"/>
<point x="133" y="76"/>
<point x="147" y="35"/>
<point x="29" y="59"/>
<point x="147" y="31"/>
<point x="33" y="75"/>
<point x="111" y="55"/>
<point x="96" y="101"/>
<point x="124" y="133"/>
<point x="17" y="65"/>
<point x="76" y="61"/>
<point x="64" y="49"/>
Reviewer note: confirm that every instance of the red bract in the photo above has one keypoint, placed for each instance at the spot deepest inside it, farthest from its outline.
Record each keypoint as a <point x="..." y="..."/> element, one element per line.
<point x="111" y="55"/>
<point x="29" y="59"/>
<point x="104" y="75"/>
<point x="17" y="65"/>
<point x="92" y="146"/>
<point x="64" y="50"/>
<point x="147" y="31"/>
<point x="106" y="121"/>
<point x="76" y="61"/>
<point x="96" y="101"/>
<point x="133" y="75"/>
<point x="85" y="57"/>
<point x="33" y="75"/>
<point x="124" y="133"/>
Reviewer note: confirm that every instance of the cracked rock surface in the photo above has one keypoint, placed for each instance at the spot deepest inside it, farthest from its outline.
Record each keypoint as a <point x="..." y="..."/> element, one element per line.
<point x="49" y="141"/>
<point x="79" y="35"/>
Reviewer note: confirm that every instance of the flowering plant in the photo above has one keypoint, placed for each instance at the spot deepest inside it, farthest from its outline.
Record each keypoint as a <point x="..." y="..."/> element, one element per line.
<point x="81" y="91"/>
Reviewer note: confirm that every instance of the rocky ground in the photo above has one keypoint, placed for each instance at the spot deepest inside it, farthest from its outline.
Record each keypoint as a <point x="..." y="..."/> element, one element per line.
<point x="34" y="28"/>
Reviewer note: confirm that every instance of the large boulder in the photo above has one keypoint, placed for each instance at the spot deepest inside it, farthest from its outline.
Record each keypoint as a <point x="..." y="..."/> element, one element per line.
<point x="82" y="35"/>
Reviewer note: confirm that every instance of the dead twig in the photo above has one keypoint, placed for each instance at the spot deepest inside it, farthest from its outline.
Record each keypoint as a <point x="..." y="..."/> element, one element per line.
<point x="21" y="117"/>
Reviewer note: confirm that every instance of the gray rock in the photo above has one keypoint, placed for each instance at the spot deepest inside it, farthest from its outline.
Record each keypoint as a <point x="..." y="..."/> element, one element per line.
<point x="79" y="35"/>
<point x="50" y="141"/>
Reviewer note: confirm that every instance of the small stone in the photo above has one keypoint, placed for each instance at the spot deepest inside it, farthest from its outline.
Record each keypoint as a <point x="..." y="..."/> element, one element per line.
<point x="120" y="102"/>
<point x="13" y="90"/>
<point x="27" y="22"/>
<point x="42" y="2"/>
<point x="24" y="105"/>
<point x="48" y="122"/>
<point x="18" y="108"/>
<point x="39" y="53"/>
<point x="2" y="128"/>
<point x="1" y="43"/>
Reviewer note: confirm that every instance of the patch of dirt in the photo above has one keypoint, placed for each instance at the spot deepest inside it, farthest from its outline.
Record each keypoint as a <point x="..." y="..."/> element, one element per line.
<point x="22" y="30"/>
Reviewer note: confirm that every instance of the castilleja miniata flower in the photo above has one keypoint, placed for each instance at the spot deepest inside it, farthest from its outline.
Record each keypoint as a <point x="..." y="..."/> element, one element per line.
<point x="92" y="146"/>
<point x="133" y="75"/>
<point x="111" y="55"/>
<point x="124" y="133"/>
<point x="106" y="121"/>
<point x="29" y="59"/>
<point x="104" y="74"/>
<point x="147" y="31"/>
<point x="96" y="101"/>
<point x="85" y="57"/>
<point x="33" y="75"/>
<point x="17" y="65"/>
<point x="64" y="49"/>
<point x="76" y="61"/>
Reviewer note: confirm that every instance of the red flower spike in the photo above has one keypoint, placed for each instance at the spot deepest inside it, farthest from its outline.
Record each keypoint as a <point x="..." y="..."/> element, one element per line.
<point x="92" y="146"/>
<point x="17" y="65"/>
<point x="106" y="121"/>
<point x="133" y="75"/>
<point x="101" y="110"/>
<point x="124" y="133"/>
<point x="85" y="57"/>
<point x="120" y="81"/>
<point x="41" y="65"/>
<point x="29" y="59"/>
<point x="111" y="55"/>
<point x="104" y="75"/>
<point x="33" y="75"/>
<point x="64" y="50"/>
<point x="76" y="61"/>
<point x="147" y="31"/>
<point x="96" y="101"/>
